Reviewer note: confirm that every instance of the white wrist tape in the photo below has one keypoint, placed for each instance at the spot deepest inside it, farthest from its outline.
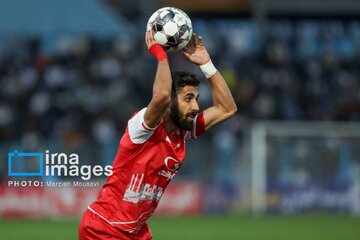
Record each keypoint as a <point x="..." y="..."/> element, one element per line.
<point x="208" y="69"/>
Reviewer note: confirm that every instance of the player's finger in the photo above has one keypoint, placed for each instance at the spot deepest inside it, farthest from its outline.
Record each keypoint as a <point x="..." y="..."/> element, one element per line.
<point x="188" y="50"/>
<point x="150" y="35"/>
<point x="186" y="54"/>
<point x="150" y="38"/>
<point x="187" y="47"/>
<point x="191" y="44"/>
<point x="201" y="41"/>
<point x="147" y="37"/>
<point x="195" y="39"/>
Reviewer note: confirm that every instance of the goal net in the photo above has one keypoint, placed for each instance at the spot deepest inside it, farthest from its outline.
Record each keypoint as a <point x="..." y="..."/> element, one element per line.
<point x="305" y="166"/>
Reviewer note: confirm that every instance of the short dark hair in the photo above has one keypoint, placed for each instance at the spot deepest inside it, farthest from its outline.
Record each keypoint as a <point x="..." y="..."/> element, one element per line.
<point x="181" y="79"/>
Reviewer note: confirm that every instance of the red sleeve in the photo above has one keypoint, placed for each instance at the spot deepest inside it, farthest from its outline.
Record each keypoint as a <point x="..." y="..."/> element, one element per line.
<point x="199" y="126"/>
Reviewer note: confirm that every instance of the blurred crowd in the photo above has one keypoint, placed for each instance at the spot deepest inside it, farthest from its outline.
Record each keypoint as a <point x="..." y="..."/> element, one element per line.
<point x="291" y="70"/>
<point x="78" y="94"/>
<point x="81" y="91"/>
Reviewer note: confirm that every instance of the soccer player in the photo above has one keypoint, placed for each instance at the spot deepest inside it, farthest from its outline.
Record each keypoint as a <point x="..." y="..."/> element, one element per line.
<point x="152" y="148"/>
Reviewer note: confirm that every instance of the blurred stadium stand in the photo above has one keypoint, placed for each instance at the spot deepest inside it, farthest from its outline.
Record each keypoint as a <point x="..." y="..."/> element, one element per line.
<point x="64" y="88"/>
<point x="48" y="18"/>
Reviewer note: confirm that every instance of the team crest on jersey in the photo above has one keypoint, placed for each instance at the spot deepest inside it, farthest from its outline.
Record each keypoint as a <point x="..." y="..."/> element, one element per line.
<point x="172" y="165"/>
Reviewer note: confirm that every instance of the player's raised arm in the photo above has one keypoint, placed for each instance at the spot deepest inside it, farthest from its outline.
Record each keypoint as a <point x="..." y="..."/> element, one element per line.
<point x="223" y="103"/>
<point x="161" y="97"/>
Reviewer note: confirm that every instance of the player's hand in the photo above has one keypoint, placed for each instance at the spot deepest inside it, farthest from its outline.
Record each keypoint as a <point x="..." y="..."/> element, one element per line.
<point x="149" y="38"/>
<point x="196" y="52"/>
<point x="154" y="48"/>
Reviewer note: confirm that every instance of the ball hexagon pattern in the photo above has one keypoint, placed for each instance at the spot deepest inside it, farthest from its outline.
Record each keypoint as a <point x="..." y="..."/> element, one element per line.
<point x="172" y="28"/>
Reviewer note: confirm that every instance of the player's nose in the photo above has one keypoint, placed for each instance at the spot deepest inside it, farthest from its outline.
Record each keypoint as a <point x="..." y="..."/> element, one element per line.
<point x="194" y="106"/>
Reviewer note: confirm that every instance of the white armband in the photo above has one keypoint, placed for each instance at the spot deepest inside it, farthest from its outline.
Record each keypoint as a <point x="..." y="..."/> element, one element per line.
<point x="208" y="69"/>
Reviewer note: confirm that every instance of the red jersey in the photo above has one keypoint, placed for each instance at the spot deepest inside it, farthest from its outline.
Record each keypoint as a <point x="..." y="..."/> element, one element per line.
<point x="146" y="161"/>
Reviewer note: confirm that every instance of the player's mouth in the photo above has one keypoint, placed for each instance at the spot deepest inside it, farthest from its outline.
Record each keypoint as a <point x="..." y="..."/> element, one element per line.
<point x="192" y="115"/>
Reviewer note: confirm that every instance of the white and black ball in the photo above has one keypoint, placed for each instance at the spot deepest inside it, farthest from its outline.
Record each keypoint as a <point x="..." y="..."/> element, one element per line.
<point x="172" y="28"/>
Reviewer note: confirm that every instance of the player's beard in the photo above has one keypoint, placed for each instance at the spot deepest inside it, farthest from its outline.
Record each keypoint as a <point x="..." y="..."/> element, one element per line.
<point x="179" y="121"/>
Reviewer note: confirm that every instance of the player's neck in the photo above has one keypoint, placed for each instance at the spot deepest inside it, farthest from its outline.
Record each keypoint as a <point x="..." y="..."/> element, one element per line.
<point x="170" y="127"/>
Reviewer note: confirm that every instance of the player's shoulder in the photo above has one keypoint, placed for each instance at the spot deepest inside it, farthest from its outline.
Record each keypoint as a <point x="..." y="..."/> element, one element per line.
<point x="137" y="129"/>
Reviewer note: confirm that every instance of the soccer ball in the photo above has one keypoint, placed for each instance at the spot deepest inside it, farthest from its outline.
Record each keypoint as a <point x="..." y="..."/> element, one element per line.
<point x="172" y="28"/>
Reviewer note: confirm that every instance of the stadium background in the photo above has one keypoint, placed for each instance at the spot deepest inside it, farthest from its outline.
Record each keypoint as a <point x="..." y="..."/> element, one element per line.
<point x="285" y="167"/>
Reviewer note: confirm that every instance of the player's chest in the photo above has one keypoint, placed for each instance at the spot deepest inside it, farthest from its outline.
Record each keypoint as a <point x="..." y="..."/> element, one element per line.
<point x="167" y="156"/>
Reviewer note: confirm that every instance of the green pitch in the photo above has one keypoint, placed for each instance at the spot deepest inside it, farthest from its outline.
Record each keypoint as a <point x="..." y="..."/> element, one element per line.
<point x="309" y="227"/>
